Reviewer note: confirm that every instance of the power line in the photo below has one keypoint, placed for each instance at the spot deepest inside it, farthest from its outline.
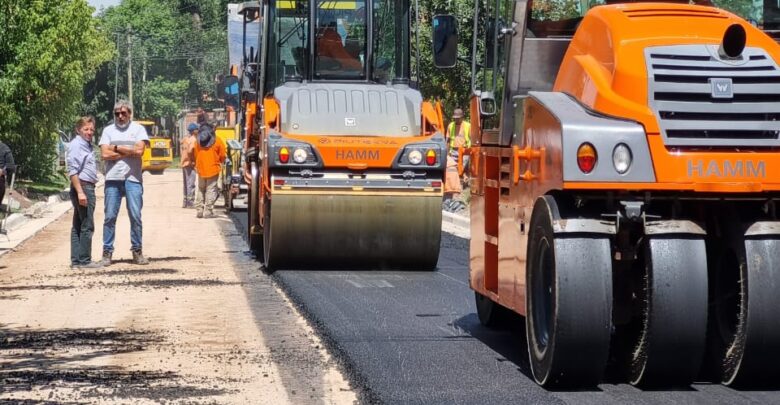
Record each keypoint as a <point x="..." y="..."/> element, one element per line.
<point x="170" y="59"/>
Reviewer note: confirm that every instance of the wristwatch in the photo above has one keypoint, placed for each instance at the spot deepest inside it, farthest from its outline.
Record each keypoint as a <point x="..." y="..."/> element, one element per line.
<point x="115" y="148"/>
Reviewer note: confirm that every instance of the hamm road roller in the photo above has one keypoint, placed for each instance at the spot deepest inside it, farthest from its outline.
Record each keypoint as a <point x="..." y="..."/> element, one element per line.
<point x="625" y="177"/>
<point x="345" y="159"/>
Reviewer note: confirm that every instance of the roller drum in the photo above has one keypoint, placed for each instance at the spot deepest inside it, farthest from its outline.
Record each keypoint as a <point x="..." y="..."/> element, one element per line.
<point x="353" y="231"/>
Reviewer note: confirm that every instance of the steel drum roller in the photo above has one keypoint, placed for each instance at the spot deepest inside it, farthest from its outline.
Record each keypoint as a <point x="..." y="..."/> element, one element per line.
<point x="349" y="231"/>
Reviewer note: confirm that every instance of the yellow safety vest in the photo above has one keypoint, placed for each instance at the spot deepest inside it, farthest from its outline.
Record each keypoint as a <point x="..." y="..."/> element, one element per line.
<point x="465" y="128"/>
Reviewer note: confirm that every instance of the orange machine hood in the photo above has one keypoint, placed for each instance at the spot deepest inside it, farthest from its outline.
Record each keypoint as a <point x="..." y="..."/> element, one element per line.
<point x="612" y="78"/>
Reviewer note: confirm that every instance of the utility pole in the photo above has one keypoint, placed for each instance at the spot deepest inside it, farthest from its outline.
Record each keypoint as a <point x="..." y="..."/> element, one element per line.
<point x="116" y="68"/>
<point x="143" y="86"/>
<point x="130" y="64"/>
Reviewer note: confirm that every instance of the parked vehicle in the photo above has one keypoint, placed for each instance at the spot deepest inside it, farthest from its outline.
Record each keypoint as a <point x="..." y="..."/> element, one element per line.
<point x="159" y="155"/>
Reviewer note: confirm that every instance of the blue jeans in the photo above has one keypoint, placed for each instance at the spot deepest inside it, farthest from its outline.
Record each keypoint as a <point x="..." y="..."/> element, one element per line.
<point x="133" y="193"/>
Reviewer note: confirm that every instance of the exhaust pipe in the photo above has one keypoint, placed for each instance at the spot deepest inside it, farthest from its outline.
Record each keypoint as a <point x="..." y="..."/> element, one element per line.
<point x="733" y="42"/>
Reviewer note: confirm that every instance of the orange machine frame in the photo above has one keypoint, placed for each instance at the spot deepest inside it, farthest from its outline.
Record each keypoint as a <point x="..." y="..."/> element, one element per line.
<point x="506" y="180"/>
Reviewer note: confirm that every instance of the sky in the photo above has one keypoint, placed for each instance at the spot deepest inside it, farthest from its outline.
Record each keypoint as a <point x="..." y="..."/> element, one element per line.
<point x="103" y="3"/>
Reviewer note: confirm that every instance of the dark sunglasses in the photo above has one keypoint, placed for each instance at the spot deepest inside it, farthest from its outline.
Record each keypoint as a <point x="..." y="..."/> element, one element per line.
<point x="118" y="113"/>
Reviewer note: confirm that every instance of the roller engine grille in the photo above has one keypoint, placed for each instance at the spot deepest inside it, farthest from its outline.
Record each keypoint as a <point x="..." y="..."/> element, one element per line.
<point x="700" y="99"/>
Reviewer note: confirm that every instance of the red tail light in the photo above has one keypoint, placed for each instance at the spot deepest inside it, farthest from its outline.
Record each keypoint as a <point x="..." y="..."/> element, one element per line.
<point x="284" y="154"/>
<point x="586" y="157"/>
<point x="430" y="157"/>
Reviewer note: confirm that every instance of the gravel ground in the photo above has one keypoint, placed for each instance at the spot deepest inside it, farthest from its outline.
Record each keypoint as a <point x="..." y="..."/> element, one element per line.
<point x="200" y="324"/>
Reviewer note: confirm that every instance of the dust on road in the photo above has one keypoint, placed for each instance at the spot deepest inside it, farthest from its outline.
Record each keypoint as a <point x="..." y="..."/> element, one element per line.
<point x="200" y="324"/>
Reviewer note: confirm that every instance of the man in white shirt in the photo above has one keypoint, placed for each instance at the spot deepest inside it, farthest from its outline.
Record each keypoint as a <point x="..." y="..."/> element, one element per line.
<point x="121" y="145"/>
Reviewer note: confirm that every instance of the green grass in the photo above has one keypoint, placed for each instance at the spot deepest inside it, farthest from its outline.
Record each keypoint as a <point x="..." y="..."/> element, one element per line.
<point x="44" y="188"/>
<point x="53" y="185"/>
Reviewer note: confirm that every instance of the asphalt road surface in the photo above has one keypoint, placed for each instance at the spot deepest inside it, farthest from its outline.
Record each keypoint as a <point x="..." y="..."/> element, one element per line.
<point x="414" y="337"/>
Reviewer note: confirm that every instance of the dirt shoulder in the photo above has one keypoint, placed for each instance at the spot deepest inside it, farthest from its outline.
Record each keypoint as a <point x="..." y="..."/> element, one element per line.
<point x="200" y="324"/>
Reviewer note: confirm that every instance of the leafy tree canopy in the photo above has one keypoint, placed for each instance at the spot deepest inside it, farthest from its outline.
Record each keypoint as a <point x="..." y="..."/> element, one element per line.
<point x="451" y="86"/>
<point x="174" y="48"/>
<point x="48" y="50"/>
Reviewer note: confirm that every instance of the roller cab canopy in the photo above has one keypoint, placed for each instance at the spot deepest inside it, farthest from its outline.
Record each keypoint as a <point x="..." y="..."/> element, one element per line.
<point x="337" y="40"/>
<point x="150" y="126"/>
<point x="340" y="68"/>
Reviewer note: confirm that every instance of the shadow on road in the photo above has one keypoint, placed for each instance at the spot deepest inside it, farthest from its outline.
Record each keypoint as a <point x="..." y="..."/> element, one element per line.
<point x="508" y="341"/>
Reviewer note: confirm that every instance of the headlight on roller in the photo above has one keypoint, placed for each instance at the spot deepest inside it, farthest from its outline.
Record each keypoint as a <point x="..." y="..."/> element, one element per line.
<point x="621" y="158"/>
<point x="300" y="155"/>
<point x="415" y="157"/>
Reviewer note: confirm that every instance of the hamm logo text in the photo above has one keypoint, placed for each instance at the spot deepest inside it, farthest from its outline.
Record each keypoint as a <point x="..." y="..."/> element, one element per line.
<point x="727" y="168"/>
<point x="342" y="154"/>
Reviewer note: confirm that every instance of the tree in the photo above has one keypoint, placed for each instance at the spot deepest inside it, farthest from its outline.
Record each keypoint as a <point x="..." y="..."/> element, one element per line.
<point x="176" y="48"/>
<point x="451" y="86"/>
<point x="162" y="97"/>
<point x="749" y="10"/>
<point x="48" y="50"/>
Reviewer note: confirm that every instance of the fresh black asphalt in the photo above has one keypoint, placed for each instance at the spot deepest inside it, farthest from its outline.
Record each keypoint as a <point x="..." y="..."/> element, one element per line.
<point x="407" y="337"/>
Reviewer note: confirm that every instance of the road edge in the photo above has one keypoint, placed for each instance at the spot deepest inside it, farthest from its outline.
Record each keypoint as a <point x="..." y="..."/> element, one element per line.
<point x="53" y="209"/>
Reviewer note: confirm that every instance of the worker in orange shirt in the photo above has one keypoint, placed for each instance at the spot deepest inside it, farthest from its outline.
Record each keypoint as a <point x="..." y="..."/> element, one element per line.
<point x="210" y="152"/>
<point x="331" y="53"/>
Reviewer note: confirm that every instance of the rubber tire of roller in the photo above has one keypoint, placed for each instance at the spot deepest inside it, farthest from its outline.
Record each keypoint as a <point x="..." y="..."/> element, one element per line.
<point x="255" y="241"/>
<point x="755" y="353"/>
<point x="671" y="345"/>
<point x="490" y="314"/>
<point x="226" y="197"/>
<point x="268" y="261"/>
<point x="578" y="309"/>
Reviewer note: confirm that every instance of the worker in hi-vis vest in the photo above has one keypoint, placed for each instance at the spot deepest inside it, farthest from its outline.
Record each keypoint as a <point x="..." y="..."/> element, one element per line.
<point x="459" y="134"/>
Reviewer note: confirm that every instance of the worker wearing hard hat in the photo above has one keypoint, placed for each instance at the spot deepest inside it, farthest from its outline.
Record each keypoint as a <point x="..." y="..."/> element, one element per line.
<point x="459" y="135"/>
<point x="210" y="152"/>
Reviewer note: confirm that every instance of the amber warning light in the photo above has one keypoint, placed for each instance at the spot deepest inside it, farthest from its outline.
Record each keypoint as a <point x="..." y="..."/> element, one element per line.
<point x="284" y="155"/>
<point x="430" y="157"/>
